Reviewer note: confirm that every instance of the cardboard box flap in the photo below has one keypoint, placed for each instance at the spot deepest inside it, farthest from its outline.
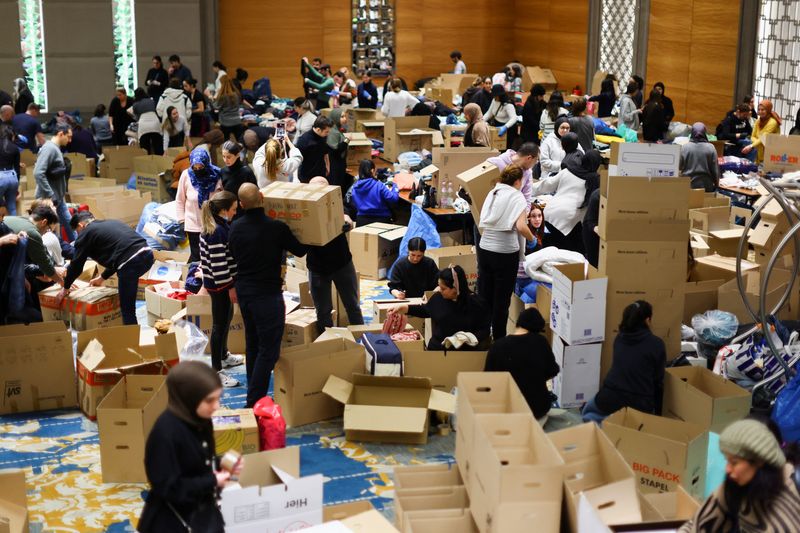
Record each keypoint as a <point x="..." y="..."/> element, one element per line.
<point x="374" y="418"/>
<point x="442" y="401"/>
<point x="34" y="328"/>
<point x="429" y="170"/>
<point x="259" y="468"/>
<point x="616" y="503"/>
<point x="338" y="389"/>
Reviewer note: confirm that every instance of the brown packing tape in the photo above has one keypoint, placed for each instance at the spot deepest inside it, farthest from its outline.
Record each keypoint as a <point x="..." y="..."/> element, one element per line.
<point x="37" y="400"/>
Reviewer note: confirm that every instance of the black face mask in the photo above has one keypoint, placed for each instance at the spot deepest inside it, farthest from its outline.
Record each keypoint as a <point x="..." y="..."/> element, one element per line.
<point x="201" y="173"/>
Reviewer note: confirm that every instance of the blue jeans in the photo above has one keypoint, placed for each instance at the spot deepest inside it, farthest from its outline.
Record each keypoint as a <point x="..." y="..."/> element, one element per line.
<point x="9" y="184"/>
<point x="264" y="317"/>
<point x="63" y="218"/>
<point x="741" y="143"/>
<point x="129" y="282"/>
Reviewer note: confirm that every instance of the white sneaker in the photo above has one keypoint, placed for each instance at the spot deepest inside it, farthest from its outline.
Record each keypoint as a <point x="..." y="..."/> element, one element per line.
<point x="232" y="360"/>
<point x="227" y="381"/>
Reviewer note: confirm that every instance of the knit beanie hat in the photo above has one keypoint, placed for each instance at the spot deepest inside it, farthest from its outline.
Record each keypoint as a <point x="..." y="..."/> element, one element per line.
<point x="752" y="440"/>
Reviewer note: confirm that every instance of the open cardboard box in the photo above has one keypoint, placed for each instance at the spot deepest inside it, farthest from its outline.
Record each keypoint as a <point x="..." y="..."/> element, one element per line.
<point x="663" y="453"/>
<point x="441" y="367"/>
<point x="302" y="372"/>
<point x="428" y="499"/>
<point x="158" y="304"/>
<point x="358" y="148"/>
<point x="271" y="495"/>
<point x="375" y="248"/>
<point x="428" y="475"/>
<point x="387" y="408"/>
<point x="514" y="463"/>
<point x="148" y="170"/>
<point x="440" y="521"/>
<point x="579" y="378"/>
<point x="729" y="299"/>
<point x="718" y="267"/>
<point x="662" y="513"/>
<point x="699" y="396"/>
<point x="578" y="308"/>
<point x="408" y="134"/>
<point x="314" y="213"/>
<point x="699" y="297"/>
<point x="198" y="312"/>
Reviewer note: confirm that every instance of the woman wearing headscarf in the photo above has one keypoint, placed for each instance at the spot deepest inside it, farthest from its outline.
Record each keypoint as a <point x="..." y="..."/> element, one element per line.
<point x="338" y="145"/>
<point x="654" y="124"/>
<point x="666" y="101"/>
<point x="502" y="114"/>
<point x="179" y="456"/>
<point x="571" y="188"/>
<point x="572" y="149"/>
<point x="195" y="186"/>
<point x="553" y="110"/>
<point x="477" y="133"/>
<point x="552" y="152"/>
<point x="532" y="114"/>
<point x="768" y="122"/>
<point x="699" y="160"/>
<point x="23" y="96"/>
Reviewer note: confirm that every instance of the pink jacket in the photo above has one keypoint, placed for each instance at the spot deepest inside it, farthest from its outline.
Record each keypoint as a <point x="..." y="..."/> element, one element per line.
<point x="503" y="160"/>
<point x="186" y="205"/>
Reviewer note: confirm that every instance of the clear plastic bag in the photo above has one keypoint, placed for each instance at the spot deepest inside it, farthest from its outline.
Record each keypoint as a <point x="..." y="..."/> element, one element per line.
<point x="714" y="329"/>
<point x="191" y="341"/>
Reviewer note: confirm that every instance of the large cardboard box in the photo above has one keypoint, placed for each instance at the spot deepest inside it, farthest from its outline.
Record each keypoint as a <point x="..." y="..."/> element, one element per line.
<point x="358" y="148"/>
<point x="198" y="312"/>
<point x="235" y="429"/>
<point x="38" y="371"/>
<point x="158" y="304"/>
<point x="645" y="159"/>
<point x="441" y="367"/>
<point x="514" y="463"/>
<point x="718" y="267"/>
<point x="300" y="328"/>
<point x="478" y="181"/>
<point x="388" y="408"/>
<point x="380" y="309"/>
<point x="427" y="499"/>
<point x="356" y="116"/>
<point x="84" y="308"/>
<point x="697" y="395"/>
<point x="729" y="299"/>
<point x="769" y="232"/>
<point x="463" y="256"/>
<point x="82" y="165"/>
<point x="271" y="495"/>
<point x="781" y="153"/>
<point x="578" y="308"/>
<point x="579" y="378"/>
<point x="375" y="248"/>
<point x="118" y="162"/>
<point x="663" y="453"/>
<point x="643" y="199"/>
<point x="700" y="296"/>
<point x="106" y="355"/>
<point x="596" y="469"/>
<point x="708" y="219"/>
<point x="543" y="76"/>
<point x="408" y="134"/>
<point x="451" y="162"/>
<point x="301" y="373"/>
<point x="314" y="213"/>
<point x="13" y="503"/>
<point x="482" y="393"/>
<point x="148" y="170"/>
<point x="656" y="250"/>
<point x="123" y="205"/>
<point x="124" y="420"/>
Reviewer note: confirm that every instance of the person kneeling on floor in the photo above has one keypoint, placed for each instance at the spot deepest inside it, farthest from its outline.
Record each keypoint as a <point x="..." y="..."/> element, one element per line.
<point x="636" y="378"/>
<point x="414" y="274"/>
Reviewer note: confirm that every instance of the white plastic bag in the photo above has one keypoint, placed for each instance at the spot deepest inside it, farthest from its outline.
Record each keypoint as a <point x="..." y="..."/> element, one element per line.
<point x="192" y="342"/>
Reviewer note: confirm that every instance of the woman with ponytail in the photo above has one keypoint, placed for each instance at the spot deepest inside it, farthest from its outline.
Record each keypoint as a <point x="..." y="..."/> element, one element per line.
<point x="219" y="272"/>
<point x="277" y="160"/>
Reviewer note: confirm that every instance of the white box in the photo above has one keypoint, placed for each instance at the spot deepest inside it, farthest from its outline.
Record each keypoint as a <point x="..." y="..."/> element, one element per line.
<point x="578" y="308"/>
<point x="270" y="499"/>
<point x="645" y="159"/>
<point x="579" y="379"/>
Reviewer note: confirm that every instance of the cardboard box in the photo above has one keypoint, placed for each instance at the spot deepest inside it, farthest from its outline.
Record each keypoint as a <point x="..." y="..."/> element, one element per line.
<point x="343" y="511"/>
<point x="769" y="231"/>
<point x="148" y="170"/>
<point x="699" y="297"/>
<point x="674" y="505"/>
<point x="451" y="238"/>
<point x="579" y="379"/>
<point x="440" y="521"/>
<point x="123" y="205"/>
<point x="198" y="312"/>
<point x="543" y="76"/>
<point x="158" y="304"/>
<point x="441" y="367"/>
<point x="578" y="308"/>
<point x="314" y="213"/>
<point x="595" y="468"/>
<point x="464" y="256"/>
<point x="335" y="333"/>
<point x="84" y="308"/>
<point x="300" y="328"/>
<point x="235" y="429"/>
<point x="697" y="395"/>
<point x="478" y="181"/>
<point x="482" y="393"/>
<point x="428" y="499"/>
<point x="301" y="373"/>
<point x="709" y="219"/>
<point x="271" y="495"/>
<point x="357" y="115"/>
<point x="124" y="420"/>
<point x="726" y="242"/>
<point x="81" y="165"/>
<point x="655" y="251"/>
<point x="718" y="267"/>
<point x="699" y="244"/>
<point x="643" y="199"/>
<point x="358" y="148"/>
<point x="645" y="159"/>
<point x="729" y="299"/>
<point x="387" y="408"/>
<point x="408" y="134"/>
<point x="427" y="475"/>
<point x="380" y="309"/>
<point x="375" y="248"/>
<point x="13" y="503"/>
<point x="38" y="370"/>
<point x="514" y="463"/>
<point x="781" y="153"/>
<point x="663" y="453"/>
<point x="106" y="355"/>
<point x="118" y="162"/>
<point x="450" y="162"/>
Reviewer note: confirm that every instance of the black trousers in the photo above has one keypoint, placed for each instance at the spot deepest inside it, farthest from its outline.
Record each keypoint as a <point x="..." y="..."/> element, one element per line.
<point x="573" y="241"/>
<point x="194" y="246"/>
<point x="153" y="143"/>
<point x="221" y="316"/>
<point x="497" y="275"/>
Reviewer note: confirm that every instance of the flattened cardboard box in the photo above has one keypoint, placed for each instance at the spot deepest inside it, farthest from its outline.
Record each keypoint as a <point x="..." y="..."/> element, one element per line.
<point x="375" y="248"/>
<point x="13" y="503"/>
<point x="235" y="429"/>
<point x="664" y="454"/>
<point x="387" y="408"/>
<point x="314" y="213"/>
<point x="124" y="420"/>
<point x="699" y="396"/>
<point x="718" y="267"/>
<point x="38" y="368"/>
<point x="301" y="373"/>
<point x="105" y="355"/>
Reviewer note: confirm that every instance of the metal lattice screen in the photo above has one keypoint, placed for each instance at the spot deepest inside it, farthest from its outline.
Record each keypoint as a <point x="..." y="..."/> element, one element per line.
<point x="778" y="58"/>
<point x="617" y="37"/>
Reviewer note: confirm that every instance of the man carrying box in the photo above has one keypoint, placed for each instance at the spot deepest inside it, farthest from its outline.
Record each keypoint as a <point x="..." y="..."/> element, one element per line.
<point x="258" y="244"/>
<point x="119" y="249"/>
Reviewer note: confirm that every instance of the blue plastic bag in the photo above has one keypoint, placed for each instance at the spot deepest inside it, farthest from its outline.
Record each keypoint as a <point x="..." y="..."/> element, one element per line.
<point x="420" y="225"/>
<point x="786" y="412"/>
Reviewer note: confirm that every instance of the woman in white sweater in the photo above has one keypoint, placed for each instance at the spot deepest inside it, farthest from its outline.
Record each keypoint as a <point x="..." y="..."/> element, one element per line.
<point x="502" y="114"/>
<point x="397" y="101"/>
<point x="276" y="160"/>
<point x="572" y="187"/>
<point x="305" y="116"/>
<point x="552" y="153"/>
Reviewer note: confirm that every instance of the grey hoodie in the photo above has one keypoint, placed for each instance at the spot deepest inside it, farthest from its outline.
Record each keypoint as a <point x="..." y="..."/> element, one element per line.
<point x="177" y="99"/>
<point x="627" y="112"/>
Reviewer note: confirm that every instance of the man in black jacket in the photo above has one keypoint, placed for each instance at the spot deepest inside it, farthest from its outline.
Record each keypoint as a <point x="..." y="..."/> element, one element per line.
<point x="367" y="92"/>
<point x="258" y="244"/>
<point x="119" y="249"/>
<point x="316" y="152"/>
<point x="735" y="128"/>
